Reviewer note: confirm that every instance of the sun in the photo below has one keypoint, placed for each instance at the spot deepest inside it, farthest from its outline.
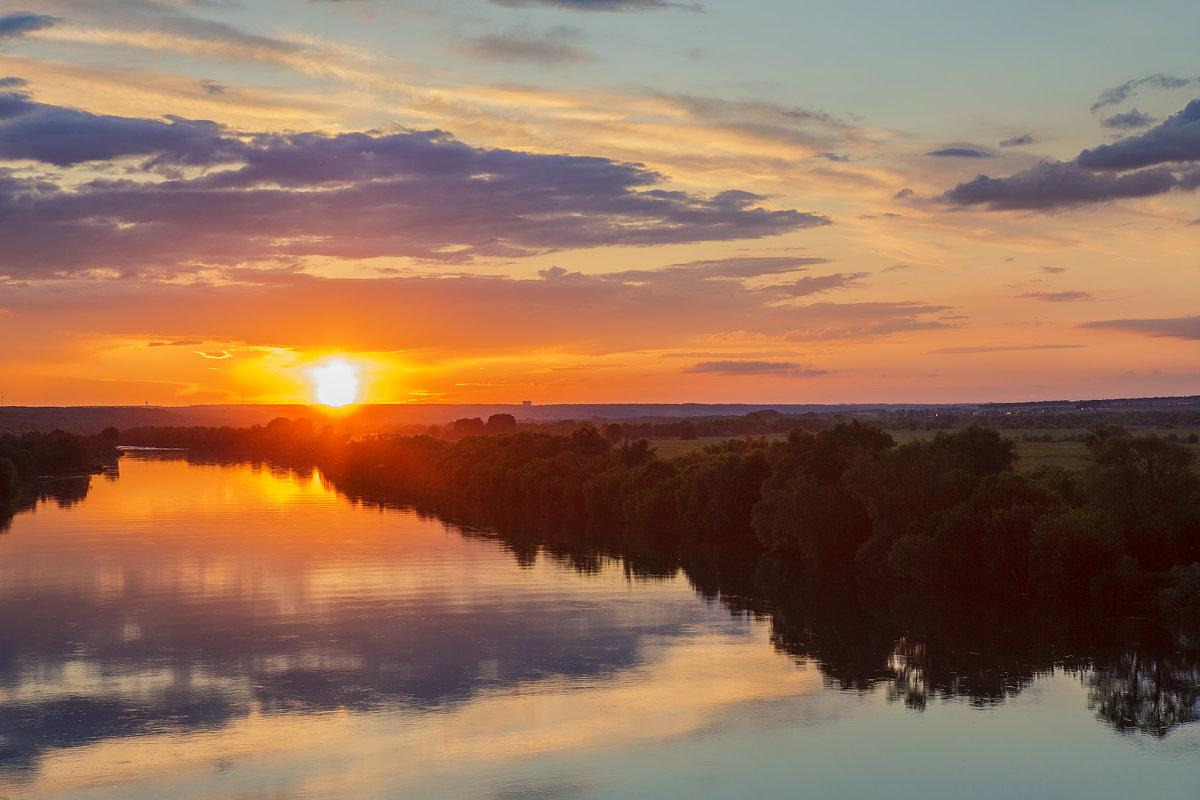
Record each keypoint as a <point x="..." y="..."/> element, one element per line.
<point x="335" y="383"/>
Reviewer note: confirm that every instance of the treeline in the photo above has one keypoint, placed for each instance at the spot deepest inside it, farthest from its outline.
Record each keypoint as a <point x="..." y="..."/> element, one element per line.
<point x="26" y="456"/>
<point x="949" y="515"/>
<point x="1187" y="417"/>
<point x="755" y="423"/>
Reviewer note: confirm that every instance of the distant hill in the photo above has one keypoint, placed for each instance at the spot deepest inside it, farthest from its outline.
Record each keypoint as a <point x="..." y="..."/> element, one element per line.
<point x="93" y="419"/>
<point x="85" y="420"/>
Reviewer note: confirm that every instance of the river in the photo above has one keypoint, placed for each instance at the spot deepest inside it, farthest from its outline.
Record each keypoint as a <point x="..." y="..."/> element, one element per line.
<point x="203" y="631"/>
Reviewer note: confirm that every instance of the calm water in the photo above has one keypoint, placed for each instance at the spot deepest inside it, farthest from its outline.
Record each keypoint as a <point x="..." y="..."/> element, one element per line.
<point x="221" y="631"/>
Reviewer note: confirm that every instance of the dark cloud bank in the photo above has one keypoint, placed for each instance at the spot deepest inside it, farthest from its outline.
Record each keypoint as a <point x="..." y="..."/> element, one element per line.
<point x="1160" y="160"/>
<point x="222" y="199"/>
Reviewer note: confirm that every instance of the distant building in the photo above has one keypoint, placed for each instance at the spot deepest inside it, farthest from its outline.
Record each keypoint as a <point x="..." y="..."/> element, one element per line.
<point x="527" y="403"/>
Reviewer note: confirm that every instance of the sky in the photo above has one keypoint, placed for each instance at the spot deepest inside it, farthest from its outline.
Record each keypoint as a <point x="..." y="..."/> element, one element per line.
<point x="492" y="201"/>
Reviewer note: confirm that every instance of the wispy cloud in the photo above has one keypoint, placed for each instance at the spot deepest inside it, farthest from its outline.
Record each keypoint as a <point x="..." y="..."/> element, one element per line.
<point x="964" y="351"/>
<point x="1058" y="297"/>
<point x="959" y="152"/>
<point x="1172" y="327"/>
<point x="553" y="47"/>
<point x="1019" y="141"/>
<point x="600" y="5"/>
<point x="756" y="368"/>
<point x="1119" y="94"/>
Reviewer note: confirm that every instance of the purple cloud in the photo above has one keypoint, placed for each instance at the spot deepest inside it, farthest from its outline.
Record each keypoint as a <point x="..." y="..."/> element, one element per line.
<point x="1128" y="120"/>
<point x="1177" y="139"/>
<point x="1119" y="94"/>
<point x="65" y="137"/>
<point x="959" y="152"/>
<point x="418" y="194"/>
<point x="1138" y="166"/>
<point x="1058" y="184"/>
<point x="1018" y="141"/>
<point x="13" y="26"/>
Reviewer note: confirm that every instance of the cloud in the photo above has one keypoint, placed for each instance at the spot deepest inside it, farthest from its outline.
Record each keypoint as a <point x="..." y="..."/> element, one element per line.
<point x="599" y="5"/>
<point x="1137" y="166"/>
<point x="1177" y="139"/>
<point x="903" y="194"/>
<point x="755" y="368"/>
<point x="1061" y="184"/>
<point x="1187" y="328"/>
<point x="1129" y="119"/>
<point x="1053" y="270"/>
<point x="1018" y="141"/>
<point x="1119" y="94"/>
<point x="436" y="317"/>
<point x="960" y="152"/>
<point x="962" y="351"/>
<point x="1058" y="297"/>
<point x="721" y="268"/>
<point x="65" y="137"/>
<point x="551" y="48"/>
<point x="14" y="26"/>
<point x="177" y="343"/>
<point x="416" y="194"/>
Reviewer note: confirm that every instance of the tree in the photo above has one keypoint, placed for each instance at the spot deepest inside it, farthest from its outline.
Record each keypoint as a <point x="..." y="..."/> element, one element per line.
<point x="500" y="423"/>
<point x="805" y="504"/>
<point x="473" y="426"/>
<point x="589" y="441"/>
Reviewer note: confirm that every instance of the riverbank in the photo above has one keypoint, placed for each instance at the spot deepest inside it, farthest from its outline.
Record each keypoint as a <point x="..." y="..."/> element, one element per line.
<point x="948" y="515"/>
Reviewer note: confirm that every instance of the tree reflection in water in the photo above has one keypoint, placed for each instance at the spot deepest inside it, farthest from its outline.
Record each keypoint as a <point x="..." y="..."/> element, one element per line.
<point x="918" y="649"/>
<point x="63" y="492"/>
<point x="1148" y="692"/>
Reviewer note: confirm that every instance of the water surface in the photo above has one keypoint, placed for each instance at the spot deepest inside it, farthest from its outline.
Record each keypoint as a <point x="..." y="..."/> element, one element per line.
<point x="198" y="631"/>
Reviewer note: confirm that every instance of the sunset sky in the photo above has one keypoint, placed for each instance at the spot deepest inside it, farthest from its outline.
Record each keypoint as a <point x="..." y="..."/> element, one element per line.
<point x="203" y="201"/>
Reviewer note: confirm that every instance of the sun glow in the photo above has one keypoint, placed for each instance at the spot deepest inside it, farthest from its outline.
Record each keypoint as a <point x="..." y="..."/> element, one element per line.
<point x="336" y="383"/>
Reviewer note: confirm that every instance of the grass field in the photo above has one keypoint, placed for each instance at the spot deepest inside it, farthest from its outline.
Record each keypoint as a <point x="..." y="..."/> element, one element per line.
<point x="1072" y="455"/>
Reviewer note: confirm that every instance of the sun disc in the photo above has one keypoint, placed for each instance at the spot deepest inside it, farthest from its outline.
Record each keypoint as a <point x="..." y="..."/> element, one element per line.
<point x="336" y="383"/>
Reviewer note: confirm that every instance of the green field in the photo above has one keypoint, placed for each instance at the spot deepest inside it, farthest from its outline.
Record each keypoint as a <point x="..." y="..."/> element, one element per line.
<point x="1072" y="455"/>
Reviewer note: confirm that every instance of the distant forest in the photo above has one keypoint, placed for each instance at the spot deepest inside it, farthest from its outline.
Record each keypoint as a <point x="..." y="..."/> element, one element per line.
<point x="947" y="515"/>
<point x="36" y="466"/>
<point x="27" y="456"/>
